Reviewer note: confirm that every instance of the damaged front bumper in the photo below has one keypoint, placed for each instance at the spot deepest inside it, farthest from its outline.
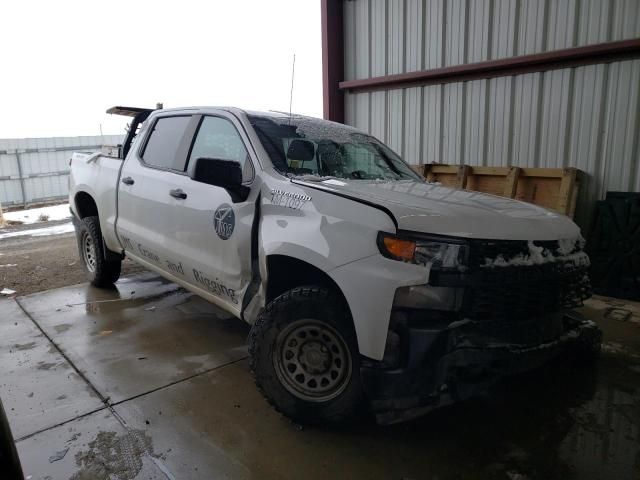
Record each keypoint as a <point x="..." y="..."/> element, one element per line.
<point x="462" y="360"/>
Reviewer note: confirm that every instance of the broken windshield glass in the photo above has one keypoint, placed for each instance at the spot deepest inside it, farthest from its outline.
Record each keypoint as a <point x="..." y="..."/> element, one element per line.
<point x="313" y="148"/>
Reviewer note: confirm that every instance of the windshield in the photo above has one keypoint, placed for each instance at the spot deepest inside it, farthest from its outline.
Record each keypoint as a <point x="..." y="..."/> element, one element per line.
<point x="313" y="148"/>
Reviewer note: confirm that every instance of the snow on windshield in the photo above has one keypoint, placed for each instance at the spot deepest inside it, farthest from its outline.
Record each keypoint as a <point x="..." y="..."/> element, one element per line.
<point x="317" y="130"/>
<point x="317" y="150"/>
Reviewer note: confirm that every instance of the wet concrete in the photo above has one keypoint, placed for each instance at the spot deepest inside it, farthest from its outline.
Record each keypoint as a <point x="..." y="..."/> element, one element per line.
<point x="38" y="387"/>
<point x="178" y="402"/>
<point x="95" y="447"/>
<point x="138" y="337"/>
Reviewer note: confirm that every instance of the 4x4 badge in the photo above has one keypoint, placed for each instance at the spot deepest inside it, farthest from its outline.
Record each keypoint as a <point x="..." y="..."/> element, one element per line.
<point x="224" y="220"/>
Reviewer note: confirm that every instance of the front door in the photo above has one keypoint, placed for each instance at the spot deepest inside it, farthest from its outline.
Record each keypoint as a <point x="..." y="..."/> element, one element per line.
<point x="214" y="233"/>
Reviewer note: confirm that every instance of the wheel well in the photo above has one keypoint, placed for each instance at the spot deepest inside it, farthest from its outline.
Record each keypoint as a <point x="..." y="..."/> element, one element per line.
<point x="285" y="273"/>
<point x="85" y="205"/>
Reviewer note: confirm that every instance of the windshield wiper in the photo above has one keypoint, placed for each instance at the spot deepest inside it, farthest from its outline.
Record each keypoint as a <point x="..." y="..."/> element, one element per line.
<point x="309" y="177"/>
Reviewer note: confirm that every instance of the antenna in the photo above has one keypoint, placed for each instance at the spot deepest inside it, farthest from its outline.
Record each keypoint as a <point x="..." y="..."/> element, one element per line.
<point x="293" y="72"/>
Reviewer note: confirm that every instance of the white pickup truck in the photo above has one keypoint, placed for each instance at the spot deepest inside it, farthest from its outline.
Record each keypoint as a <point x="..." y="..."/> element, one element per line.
<point x="368" y="289"/>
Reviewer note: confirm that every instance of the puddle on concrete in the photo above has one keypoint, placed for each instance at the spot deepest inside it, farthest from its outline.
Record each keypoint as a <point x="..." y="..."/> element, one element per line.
<point x="45" y="365"/>
<point x="63" y="327"/>
<point x="125" y="305"/>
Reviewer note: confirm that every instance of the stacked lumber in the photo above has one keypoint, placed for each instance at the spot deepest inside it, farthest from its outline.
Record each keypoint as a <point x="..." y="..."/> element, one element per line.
<point x="553" y="188"/>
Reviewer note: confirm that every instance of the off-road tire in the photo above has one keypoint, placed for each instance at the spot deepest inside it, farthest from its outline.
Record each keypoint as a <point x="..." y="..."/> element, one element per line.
<point x="101" y="272"/>
<point x="328" y="309"/>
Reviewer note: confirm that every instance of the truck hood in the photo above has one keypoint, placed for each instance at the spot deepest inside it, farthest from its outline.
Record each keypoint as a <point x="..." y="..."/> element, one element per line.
<point x="430" y="208"/>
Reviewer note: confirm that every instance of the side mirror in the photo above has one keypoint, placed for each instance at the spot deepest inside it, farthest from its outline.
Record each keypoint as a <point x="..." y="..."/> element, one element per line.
<point x="226" y="174"/>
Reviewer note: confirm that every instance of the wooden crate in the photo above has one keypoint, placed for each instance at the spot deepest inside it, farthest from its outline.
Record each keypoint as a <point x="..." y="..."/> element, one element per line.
<point x="554" y="188"/>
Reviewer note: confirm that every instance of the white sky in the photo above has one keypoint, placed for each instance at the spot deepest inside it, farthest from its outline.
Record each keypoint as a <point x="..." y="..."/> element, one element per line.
<point x="64" y="62"/>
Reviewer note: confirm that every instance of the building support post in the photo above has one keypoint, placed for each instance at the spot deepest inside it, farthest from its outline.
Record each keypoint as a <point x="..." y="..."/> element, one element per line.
<point x="332" y="60"/>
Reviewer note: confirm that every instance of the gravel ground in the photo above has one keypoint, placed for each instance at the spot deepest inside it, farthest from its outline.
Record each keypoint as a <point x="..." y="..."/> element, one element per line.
<point x="43" y="263"/>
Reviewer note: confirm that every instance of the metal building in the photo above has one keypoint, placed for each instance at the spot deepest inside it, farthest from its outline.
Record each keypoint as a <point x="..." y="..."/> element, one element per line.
<point x="36" y="170"/>
<point x="537" y="83"/>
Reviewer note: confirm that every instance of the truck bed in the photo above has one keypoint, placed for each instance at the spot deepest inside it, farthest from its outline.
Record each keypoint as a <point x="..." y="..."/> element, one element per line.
<point x="98" y="175"/>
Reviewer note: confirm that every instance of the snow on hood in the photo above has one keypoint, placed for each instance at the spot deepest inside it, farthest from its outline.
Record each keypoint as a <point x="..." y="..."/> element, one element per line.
<point x="430" y="208"/>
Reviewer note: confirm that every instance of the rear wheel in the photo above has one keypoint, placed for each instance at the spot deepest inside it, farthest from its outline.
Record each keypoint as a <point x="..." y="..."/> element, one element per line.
<point x="100" y="271"/>
<point x="304" y="356"/>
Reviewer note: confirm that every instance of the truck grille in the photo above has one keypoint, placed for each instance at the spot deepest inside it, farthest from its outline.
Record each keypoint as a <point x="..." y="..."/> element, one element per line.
<point x="518" y="292"/>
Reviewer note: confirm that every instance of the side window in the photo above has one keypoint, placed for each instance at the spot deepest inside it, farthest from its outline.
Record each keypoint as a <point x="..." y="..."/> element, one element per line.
<point x="218" y="138"/>
<point x="162" y="148"/>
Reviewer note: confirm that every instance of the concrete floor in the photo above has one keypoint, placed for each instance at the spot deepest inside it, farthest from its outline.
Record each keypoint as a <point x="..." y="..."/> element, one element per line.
<point x="148" y="381"/>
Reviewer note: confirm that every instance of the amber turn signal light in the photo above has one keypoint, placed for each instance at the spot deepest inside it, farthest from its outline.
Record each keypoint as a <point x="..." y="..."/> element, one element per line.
<point x="399" y="248"/>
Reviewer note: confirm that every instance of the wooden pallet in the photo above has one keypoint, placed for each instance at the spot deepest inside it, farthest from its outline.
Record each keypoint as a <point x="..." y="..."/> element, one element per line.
<point x="554" y="188"/>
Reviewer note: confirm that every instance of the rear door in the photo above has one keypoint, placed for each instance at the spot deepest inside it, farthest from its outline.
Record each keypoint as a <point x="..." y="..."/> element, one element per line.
<point x="149" y="174"/>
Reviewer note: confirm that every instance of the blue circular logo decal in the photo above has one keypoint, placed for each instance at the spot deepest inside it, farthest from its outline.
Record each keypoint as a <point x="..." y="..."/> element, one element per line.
<point x="224" y="220"/>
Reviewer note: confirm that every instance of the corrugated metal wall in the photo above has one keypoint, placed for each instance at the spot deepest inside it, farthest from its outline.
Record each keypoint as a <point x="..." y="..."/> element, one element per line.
<point x="36" y="170"/>
<point x="586" y="117"/>
<point x="383" y="37"/>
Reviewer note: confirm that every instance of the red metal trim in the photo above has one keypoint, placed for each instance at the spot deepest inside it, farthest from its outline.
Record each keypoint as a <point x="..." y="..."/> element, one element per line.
<point x="332" y="60"/>
<point x="566" y="58"/>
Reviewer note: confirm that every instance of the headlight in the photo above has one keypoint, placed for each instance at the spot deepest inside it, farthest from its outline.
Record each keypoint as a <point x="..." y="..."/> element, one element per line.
<point x="439" y="253"/>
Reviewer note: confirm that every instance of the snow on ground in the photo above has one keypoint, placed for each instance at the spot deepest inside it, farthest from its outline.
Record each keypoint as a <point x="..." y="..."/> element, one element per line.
<point x="32" y="215"/>
<point x="40" y="232"/>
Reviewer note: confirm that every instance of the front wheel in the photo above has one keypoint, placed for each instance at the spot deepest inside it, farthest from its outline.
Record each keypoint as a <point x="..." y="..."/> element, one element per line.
<point x="99" y="271"/>
<point x="304" y="356"/>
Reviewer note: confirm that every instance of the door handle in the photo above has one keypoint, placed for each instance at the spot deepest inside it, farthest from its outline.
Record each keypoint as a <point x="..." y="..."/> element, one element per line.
<point x="178" y="193"/>
<point x="128" y="181"/>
